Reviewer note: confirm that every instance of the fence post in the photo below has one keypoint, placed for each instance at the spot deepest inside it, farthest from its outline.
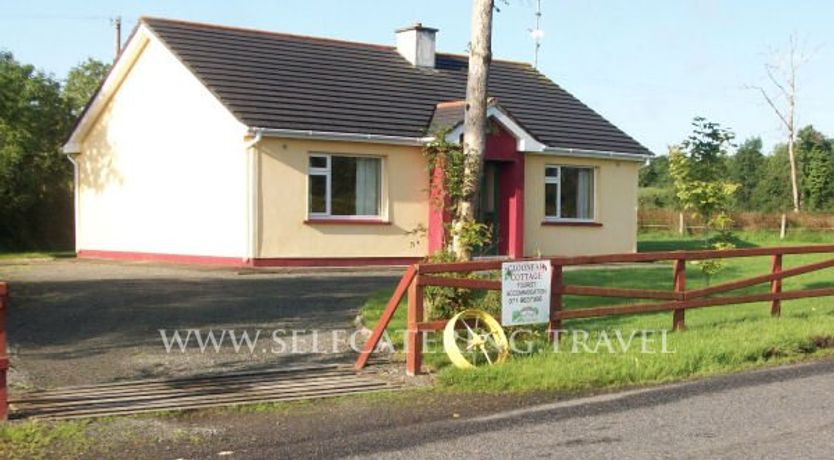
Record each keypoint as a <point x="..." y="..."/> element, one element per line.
<point x="678" y="321"/>
<point x="776" y="285"/>
<point x="4" y="358"/>
<point x="783" y="226"/>
<point x="556" y="282"/>
<point x="681" y="223"/>
<point x="414" y="338"/>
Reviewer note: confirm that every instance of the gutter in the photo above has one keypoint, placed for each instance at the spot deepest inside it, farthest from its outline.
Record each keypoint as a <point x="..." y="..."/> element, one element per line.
<point x="340" y="136"/>
<point x="419" y="141"/>
<point x="581" y="153"/>
<point x="258" y="135"/>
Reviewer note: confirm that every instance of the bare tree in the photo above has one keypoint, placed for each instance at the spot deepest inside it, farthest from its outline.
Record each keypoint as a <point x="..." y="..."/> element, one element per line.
<point x="782" y="74"/>
<point x="475" y="122"/>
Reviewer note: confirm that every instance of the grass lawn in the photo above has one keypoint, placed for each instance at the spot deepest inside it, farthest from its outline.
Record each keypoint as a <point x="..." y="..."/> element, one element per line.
<point x="717" y="340"/>
<point x="36" y="255"/>
<point x="33" y="439"/>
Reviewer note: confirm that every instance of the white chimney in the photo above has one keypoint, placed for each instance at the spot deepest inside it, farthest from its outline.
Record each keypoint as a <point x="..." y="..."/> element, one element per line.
<point x="416" y="44"/>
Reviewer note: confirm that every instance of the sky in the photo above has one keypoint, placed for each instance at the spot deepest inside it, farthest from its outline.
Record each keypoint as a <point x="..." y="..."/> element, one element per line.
<point x="649" y="66"/>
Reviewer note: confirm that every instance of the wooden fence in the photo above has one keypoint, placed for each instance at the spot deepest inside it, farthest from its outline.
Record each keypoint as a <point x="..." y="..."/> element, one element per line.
<point x="671" y="220"/>
<point x="676" y="300"/>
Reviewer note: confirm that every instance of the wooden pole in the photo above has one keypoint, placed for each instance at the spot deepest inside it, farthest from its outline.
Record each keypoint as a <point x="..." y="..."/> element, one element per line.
<point x="414" y="338"/>
<point x="776" y="285"/>
<point x="474" y="121"/>
<point x="556" y="284"/>
<point x="681" y="223"/>
<point x="783" y="228"/>
<point x="678" y="321"/>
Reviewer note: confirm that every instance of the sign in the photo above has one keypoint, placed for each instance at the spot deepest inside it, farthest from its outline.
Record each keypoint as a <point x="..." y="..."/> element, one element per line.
<point x="525" y="292"/>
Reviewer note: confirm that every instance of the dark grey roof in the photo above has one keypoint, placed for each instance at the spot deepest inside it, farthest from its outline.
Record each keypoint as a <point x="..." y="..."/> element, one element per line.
<point x="272" y="80"/>
<point x="447" y="115"/>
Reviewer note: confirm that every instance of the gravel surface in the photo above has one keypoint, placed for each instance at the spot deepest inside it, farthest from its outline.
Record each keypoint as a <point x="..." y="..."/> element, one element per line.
<point x="74" y="322"/>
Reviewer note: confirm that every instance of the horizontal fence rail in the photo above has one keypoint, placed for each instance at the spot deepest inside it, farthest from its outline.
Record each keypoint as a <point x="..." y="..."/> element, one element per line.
<point x="677" y="300"/>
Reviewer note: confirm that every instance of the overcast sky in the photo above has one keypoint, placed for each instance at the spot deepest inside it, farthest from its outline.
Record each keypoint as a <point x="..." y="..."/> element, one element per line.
<point x="648" y="66"/>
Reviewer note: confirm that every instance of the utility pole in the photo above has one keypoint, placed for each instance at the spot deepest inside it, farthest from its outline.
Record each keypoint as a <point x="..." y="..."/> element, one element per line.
<point x="116" y="22"/>
<point x="474" y="123"/>
<point x="537" y="34"/>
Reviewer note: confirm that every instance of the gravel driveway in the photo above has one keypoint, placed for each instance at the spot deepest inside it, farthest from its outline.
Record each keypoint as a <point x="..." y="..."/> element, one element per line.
<point x="75" y="322"/>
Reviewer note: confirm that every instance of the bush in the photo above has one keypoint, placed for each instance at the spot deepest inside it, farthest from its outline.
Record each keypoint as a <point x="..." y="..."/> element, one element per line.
<point x="445" y="302"/>
<point x="655" y="198"/>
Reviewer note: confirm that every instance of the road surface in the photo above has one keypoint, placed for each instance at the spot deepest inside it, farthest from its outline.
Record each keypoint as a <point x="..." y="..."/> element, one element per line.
<point x="779" y="413"/>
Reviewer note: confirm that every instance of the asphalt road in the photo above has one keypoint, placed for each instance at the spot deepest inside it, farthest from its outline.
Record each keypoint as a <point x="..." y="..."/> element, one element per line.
<point x="779" y="413"/>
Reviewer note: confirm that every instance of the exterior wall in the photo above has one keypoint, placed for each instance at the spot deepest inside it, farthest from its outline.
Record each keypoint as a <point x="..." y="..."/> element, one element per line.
<point x="615" y="208"/>
<point x="285" y="233"/>
<point x="163" y="169"/>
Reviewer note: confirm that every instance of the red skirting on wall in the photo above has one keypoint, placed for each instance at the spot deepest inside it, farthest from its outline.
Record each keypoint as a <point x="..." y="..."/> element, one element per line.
<point x="238" y="262"/>
<point x="334" y="261"/>
<point x="156" y="257"/>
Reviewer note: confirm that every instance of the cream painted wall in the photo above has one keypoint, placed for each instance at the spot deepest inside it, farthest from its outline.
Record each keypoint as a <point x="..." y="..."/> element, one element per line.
<point x="615" y="204"/>
<point x="163" y="169"/>
<point x="283" y="203"/>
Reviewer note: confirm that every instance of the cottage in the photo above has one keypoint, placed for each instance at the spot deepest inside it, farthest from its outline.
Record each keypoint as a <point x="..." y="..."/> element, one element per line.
<point x="222" y="145"/>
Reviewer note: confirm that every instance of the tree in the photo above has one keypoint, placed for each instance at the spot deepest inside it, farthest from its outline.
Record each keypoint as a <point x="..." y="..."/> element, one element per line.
<point x="697" y="168"/>
<point x="35" y="186"/>
<point x="782" y="76"/>
<point x="656" y="184"/>
<point x="707" y="148"/>
<point x="475" y="123"/>
<point x="773" y="191"/>
<point x="656" y="174"/>
<point x="701" y="186"/>
<point x="816" y="168"/>
<point x="746" y="170"/>
<point x="82" y="82"/>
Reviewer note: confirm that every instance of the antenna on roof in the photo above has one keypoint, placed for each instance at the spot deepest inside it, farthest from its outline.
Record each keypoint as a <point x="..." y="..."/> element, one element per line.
<point x="537" y="33"/>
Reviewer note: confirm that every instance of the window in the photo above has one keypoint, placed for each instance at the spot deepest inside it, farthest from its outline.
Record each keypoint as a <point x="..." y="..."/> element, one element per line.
<point x="568" y="193"/>
<point x="343" y="186"/>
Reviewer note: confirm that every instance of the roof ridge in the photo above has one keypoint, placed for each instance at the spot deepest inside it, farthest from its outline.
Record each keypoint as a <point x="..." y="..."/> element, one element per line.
<point x="312" y="38"/>
<point x="503" y="61"/>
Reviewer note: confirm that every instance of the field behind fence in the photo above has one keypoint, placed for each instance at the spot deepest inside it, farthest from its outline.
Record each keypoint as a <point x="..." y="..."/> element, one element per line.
<point x="669" y="220"/>
<point x="459" y="275"/>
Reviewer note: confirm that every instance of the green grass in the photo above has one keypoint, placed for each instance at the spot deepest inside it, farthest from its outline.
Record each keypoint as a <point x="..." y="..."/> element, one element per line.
<point x="35" y="439"/>
<point x="717" y="340"/>
<point x="37" y="255"/>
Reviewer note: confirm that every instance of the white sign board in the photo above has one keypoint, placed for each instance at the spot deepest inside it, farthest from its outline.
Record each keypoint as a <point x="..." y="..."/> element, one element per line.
<point x="525" y="292"/>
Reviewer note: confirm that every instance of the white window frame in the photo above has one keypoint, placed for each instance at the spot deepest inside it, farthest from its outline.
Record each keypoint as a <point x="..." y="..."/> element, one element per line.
<point x="327" y="172"/>
<point x="558" y="181"/>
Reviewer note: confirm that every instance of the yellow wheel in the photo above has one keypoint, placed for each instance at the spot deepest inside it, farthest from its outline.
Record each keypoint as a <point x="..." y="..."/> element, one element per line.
<point x="474" y="338"/>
